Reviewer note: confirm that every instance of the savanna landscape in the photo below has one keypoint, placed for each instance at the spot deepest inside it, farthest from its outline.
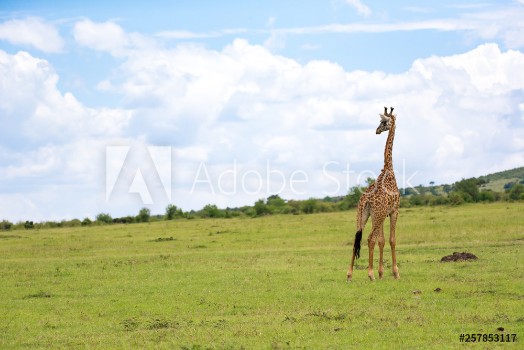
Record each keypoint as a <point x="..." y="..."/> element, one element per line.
<point x="197" y="175"/>
<point x="269" y="282"/>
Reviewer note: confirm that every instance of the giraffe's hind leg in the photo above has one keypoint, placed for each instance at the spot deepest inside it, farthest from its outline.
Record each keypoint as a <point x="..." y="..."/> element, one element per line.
<point x="362" y="219"/>
<point x="371" y="246"/>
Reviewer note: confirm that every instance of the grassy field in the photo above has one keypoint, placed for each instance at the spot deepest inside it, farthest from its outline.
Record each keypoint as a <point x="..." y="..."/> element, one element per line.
<point x="272" y="282"/>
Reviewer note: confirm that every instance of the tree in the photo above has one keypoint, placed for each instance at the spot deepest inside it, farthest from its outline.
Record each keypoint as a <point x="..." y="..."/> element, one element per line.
<point x="71" y="223"/>
<point x="261" y="208"/>
<point x="86" y="222"/>
<point x="275" y="201"/>
<point x="171" y="211"/>
<point x="210" y="211"/>
<point x="468" y="189"/>
<point x="487" y="196"/>
<point x="516" y="192"/>
<point x="408" y="191"/>
<point x="144" y="215"/>
<point x="455" y="198"/>
<point x="104" y="218"/>
<point x="5" y="225"/>
<point x="310" y="206"/>
<point x="352" y="198"/>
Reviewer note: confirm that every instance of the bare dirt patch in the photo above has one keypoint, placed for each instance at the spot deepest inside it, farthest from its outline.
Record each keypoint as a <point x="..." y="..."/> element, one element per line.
<point x="464" y="256"/>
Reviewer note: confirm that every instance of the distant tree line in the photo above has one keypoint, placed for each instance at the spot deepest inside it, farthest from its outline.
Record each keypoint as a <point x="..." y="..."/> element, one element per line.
<point x="463" y="191"/>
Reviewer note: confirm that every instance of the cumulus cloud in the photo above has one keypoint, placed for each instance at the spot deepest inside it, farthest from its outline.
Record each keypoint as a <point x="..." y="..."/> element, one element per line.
<point x="249" y="121"/>
<point x="50" y="139"/>
<point x="34" y="32"/>
<point x="35" y="110"/>
<point x="261" y="107"/>
<point x="108" y="37"/>
<point x="504" y="24"/>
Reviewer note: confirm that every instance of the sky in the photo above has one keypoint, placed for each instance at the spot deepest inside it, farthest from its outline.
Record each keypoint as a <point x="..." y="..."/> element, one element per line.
<point x="108" y="107"/>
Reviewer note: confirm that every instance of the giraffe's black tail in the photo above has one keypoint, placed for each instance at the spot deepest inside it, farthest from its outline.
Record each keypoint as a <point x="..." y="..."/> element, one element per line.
<point x="356" y="245"/>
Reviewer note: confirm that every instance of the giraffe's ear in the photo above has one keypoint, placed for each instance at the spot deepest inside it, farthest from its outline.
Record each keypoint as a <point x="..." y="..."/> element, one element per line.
<point x="383" y="117"/>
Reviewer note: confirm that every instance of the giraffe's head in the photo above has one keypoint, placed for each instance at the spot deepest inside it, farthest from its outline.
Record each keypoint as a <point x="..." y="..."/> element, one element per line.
<point x="386" y="120"/>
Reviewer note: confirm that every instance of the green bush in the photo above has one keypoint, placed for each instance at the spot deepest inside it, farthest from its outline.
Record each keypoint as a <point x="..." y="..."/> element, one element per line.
<point x="211" y="211"/>
<point x="516" y="192"/>
<point x="86" y="222"/>
<point x="5" y="225"/>
<point x="104" y="218"/>
<point x="486" y="196"/>
<point x="261" y="208"/>
<point x="455" y="198"/>
<point x="309" y="206"/>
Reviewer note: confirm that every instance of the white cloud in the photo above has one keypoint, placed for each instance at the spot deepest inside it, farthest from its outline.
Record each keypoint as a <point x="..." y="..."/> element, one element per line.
<point x="50" y="140"/>
<point x="450" y="146"/>
<point x="505" y="24"/>
<point x="485" y="23"/>
<point x="362" y="9"/>
<point x="32" y="31"/>
<point x="185" y="34"/>
<point x="261" y="106"/>
<point x="106" y="36"/>
<point x="246" y="107"/>
<point x="109" y="37"/>
<point x="33" y="107"/>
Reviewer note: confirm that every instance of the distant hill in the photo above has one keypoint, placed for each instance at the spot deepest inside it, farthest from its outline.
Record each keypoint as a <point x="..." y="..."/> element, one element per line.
<point x="517" y="173"/>
<point x="496" y="181"/>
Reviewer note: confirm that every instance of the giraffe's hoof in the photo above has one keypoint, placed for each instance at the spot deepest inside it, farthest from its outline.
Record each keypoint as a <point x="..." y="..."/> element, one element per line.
<point x="380" y="274"/>
<point x="371" y="278"/>
<point x="396" y="275"/>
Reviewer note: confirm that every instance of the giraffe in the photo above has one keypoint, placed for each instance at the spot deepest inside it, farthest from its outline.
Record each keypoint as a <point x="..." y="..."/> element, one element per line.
<point x="381" y="199"/>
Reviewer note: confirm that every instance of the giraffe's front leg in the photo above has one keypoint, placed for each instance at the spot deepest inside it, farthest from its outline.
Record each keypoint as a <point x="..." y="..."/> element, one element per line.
<point x="393" y="243"/>
<point x="381" y="243"/>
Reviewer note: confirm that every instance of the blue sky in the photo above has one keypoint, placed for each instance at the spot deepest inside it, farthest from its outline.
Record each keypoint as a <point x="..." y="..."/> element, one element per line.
<point x="229" y="102"/>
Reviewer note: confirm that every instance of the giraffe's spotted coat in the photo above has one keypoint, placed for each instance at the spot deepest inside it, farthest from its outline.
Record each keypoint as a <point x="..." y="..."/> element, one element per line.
<point x="380" y="200"/>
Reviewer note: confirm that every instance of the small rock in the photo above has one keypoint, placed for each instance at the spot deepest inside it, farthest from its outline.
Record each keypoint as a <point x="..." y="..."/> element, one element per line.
<point x="416" y="291"/>
<point x="438" y="290"/>
<point x="501" y="329"/>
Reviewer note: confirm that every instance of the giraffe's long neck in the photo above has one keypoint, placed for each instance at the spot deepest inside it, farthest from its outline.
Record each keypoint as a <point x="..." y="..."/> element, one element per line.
<point x="388" y="151"/>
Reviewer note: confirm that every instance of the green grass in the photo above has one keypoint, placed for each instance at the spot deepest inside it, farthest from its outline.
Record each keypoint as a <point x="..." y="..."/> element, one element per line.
<point x="272" y="282"/>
